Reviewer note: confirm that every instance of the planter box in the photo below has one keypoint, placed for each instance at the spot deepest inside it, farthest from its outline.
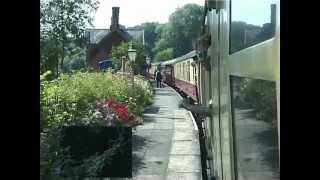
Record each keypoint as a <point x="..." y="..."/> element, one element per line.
<point x="87" y="141"/>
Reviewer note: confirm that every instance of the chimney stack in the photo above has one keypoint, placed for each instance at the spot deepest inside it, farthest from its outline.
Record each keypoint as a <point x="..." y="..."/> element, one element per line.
<point x="115" y="18"/>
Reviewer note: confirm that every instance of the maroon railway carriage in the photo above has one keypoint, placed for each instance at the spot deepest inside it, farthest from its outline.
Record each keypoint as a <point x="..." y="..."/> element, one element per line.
<point x="181" y="74"/>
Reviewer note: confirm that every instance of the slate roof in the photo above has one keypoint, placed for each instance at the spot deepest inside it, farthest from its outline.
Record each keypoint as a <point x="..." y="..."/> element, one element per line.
<point x="96" y="35"/>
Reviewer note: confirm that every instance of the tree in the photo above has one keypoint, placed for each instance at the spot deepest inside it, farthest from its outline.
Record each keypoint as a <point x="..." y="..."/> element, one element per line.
<point x="75" y="60"/>
<point x="117" y="53"/>
<point x="164" y="55"/>
<point x="63" y="24"/>
<point x="181" y="31"/>
<point x="151" y="35"/>
<point x="122" y="50"/>
<point x="243" y="35"/>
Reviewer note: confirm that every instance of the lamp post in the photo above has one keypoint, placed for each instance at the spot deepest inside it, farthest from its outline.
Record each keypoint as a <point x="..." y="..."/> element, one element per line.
<point x="123" y="58"/>
<point x="132" y="53"/>
<point x="148" y="61"/>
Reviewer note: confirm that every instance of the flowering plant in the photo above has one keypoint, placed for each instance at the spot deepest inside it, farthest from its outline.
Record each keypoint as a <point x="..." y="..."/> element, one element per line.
<point x="113" y="113"/>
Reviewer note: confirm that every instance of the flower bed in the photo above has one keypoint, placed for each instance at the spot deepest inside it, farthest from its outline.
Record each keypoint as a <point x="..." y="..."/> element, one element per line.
<point x="85" y="100"/>
<point x="71" y="100"/>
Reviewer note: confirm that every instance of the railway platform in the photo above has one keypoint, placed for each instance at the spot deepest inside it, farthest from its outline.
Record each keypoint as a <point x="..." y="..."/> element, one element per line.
<point x="166" y="146"/>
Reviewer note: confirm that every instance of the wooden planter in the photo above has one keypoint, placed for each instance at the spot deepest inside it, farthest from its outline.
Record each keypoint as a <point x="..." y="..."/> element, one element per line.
<point x="87" y="141"/>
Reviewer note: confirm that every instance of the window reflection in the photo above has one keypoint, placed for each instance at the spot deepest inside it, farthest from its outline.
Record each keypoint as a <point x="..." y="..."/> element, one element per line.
<point x="252" y="21"/>
<point x="255" y="129"/>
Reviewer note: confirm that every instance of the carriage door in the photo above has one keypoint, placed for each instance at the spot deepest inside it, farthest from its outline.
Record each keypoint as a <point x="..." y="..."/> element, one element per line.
<point x="250" y="89"/>
<point x="215" y="156"/>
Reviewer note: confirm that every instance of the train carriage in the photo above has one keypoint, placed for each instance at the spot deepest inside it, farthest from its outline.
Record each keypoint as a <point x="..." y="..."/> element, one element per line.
<point x="240" y="84"/>
<point x="185" y="75"/>
<point x="235" y="75"/>
<point x="181" y="73"/>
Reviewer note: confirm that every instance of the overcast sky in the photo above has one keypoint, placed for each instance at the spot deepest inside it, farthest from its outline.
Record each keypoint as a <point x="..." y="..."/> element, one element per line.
<point x="134" y="12"/>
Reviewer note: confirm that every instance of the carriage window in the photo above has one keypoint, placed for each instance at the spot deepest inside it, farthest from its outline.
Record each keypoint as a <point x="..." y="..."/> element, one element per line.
<point x="180" y="71"/>
<point x="188" y="71"/>
<point x="168" y="70"/>
<point x="184" y="71"/>
<point x="253" y="25"/>
<point x="255" y="129"/>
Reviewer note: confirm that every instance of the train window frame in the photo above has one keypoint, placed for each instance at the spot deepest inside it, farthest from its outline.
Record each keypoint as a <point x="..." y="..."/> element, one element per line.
<point x="233" y="123"/>
<point x="188" y="71"/>
<point x="183" y="71"/>
<point x="180" y="70"/>
<point x="257" y="43"/>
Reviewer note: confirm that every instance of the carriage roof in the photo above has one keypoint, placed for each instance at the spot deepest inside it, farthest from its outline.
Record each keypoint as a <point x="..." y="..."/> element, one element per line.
<point x="189" y="55"/>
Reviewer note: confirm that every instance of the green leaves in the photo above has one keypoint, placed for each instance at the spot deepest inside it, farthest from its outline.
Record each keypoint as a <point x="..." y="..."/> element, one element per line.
<point x="62" y="24"/>
<point x="70" y="101"/>
<point x="70" y="98"/>
<point x="122" y="50"/>
<point x="164" y="55"/>
<point x="181" y="30"/>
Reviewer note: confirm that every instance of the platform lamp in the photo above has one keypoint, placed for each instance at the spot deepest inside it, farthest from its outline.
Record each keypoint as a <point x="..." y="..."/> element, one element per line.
<point x="123" y="58"/>
<point x="132" y="53"/>
<point x="148" y="61"/>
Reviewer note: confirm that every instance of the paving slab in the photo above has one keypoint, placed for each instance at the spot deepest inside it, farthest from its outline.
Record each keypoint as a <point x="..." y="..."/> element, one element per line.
<point x="166" y="146"/>
<point x="185" y="148"/>
<point x="184" y="163"/>
<point x="184" y="176"/>
<point x="149" y="177"/>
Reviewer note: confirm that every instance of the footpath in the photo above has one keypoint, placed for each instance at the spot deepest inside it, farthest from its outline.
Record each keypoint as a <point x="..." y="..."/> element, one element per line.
<point x="166" y="146"/>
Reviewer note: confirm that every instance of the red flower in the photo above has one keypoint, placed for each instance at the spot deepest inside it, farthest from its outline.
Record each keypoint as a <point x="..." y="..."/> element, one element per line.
<point x="111" y="104"/>
<point x="122" y="113"/>
<point x="120" y="110"/>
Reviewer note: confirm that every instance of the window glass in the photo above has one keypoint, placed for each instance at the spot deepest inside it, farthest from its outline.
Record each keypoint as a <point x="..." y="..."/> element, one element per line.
<point x="180" y="66"/>
<point x="188" y="71"/>
<point x="255" y="129"/>
<point x="168" y="70"/>
<point x="252" y="21"/>
<point x="184" y="70"/>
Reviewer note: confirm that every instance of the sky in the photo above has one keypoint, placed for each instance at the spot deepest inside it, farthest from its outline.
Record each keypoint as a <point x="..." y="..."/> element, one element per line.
<point x="135" y="12"/>
<point x="255" y="12"/>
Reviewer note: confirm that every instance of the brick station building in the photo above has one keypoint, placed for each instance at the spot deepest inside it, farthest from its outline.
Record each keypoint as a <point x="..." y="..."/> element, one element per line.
<point x="101" y="41"/>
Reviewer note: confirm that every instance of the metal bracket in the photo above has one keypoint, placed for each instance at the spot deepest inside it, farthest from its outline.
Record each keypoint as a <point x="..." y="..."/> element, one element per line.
<point x="198" y="109"/>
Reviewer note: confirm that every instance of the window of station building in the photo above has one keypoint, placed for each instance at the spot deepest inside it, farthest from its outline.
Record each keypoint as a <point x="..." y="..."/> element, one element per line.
<point x="256" y="148"/>
<point x="252" y="22"/>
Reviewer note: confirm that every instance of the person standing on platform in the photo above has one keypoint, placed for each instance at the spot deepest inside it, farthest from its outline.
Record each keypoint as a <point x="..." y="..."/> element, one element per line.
<point x="159" y="79"/>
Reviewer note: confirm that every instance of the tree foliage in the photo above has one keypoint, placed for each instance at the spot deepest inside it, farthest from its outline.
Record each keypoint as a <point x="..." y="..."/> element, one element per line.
<point x="62" y="26"/>
<point x="118" y="52"/>
<point x="151" y="35"/>
<point x="175" y="38"/>
<point x="181" y="31"/>
<point x="164" y="55"/>
<point x="244" y="35"/>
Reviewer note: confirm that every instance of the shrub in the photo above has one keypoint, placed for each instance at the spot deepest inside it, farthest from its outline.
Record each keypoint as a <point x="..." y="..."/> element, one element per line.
<point x="70" y="99"/>
<point x="73" y="100"/>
